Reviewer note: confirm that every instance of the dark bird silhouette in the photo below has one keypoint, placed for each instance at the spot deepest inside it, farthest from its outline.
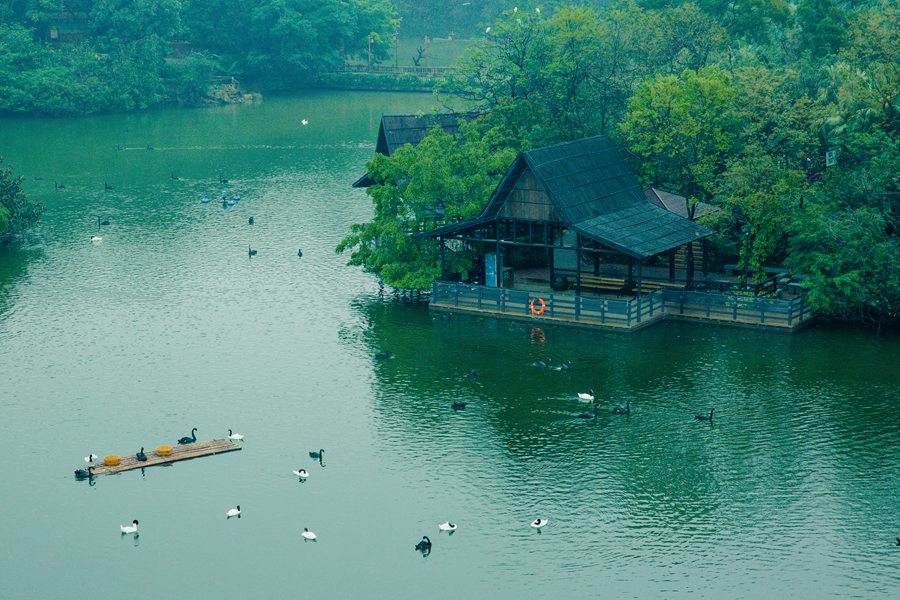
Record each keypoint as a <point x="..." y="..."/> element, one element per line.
<point x="58" y="185"/>
<point x="587" y="415"/>
<point x="472" y="374"/>
<point x="106" y="186"/>
<point x="149" y="147"/>
<point x="174" y="178"/>
<point x="706" y="417"/>
<point x="564" y="367"/>
<point x="898" y="541"/>
<point x="299" y="253"/>
<point x="222" y="179"/>
<point x="458" y="406"/>
<point x="140" y="455"/>
<point x="104" y="222"/>
<point x="250" y="221"/>
<point x="424" y="545"/>
<point x="189" y="440"/>
<point x="38" y="178"/>
<point x="320" y="454"/>
<point x="620" y="410"/>
<point x="251" y="251"/>
<point x="539" y="364"/>
<point x="84" y="473"/>
<point x="386" y="355"/>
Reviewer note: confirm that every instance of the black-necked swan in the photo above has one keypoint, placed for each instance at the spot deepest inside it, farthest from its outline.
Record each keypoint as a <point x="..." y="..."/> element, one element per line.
<point x="234" y="512"/>
<point x="96" y="239"/>
<point x="586" y="397"/>
<point x="189" y="440"/>
<point x="84" y="473"/>
<point x="448" y="526"/>
<point x="425" y="544"/>
<point x="140" y="455"/>
<point x="308" y="535"/>
<point x="133" y="528"/>
<point x="626" y="410"/>
<point x="706" y="417"/>
<point x="234" y="436"/>
<point x="301" y="473"/>
<point x="538" y="523"/>
<point x="250" y="250"/>
<point x="91" y="458"/>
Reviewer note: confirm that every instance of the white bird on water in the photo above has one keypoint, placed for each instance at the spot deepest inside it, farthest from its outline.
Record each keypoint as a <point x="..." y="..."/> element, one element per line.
<point x="91" y="458"/>
<point x="133" y="528"/>
<point x="308" y="535"/>
<point x="304" y="122"/>
<point x="96" y="239"/>
<point x="448" y="526"/>
<point x="302" y="474"/>
<point x="234" y="512"/>
<point x="538" y="523"/>
<point x="234" y="436"/>
<point x="588" y="397"/>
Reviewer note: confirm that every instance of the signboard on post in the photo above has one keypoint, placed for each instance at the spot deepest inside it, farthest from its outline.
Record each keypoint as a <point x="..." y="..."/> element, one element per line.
<point x="831" y="156"/>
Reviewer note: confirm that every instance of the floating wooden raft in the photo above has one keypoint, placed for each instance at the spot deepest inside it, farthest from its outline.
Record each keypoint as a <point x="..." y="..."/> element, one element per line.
<point x="179" y="452"/>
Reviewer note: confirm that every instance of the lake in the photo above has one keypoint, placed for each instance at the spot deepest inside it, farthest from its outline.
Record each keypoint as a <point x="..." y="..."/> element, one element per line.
<point x="792" y="491"/>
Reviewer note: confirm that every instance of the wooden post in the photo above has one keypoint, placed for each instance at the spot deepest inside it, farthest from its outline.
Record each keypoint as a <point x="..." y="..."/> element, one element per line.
<point x="689" y="265"/>
<point x="596" y="265"/>
<point x="443" y="260"/>
<point x="639" y="266"/>
<point x="577" y="268"/>
<point x="704" y="249"/>
<point x="629" y="281"/>
<point x="672" y="264"/>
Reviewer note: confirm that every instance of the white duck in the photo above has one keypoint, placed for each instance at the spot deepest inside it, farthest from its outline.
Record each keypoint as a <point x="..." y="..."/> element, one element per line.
<point x="586" y="397"/>
<point x="308" y="535"/>
<point x="448" y="526"/>
<point x="234" y="436"/>
<point x="538" y="523"/>
<point x="133" y="528"/>
<point x="234" y="512"/>
<point x="301" y="473"/>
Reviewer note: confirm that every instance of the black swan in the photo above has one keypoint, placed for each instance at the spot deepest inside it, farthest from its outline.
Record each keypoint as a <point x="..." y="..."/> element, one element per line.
<point x="189" y="440"/>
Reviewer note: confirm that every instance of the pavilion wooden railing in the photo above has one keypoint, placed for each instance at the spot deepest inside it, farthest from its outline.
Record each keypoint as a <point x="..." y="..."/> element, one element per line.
<point x="745" y="309"/>
<point x="625" y="314"/>
<point x="740" y="309"/>
<point x="430" y="71"/>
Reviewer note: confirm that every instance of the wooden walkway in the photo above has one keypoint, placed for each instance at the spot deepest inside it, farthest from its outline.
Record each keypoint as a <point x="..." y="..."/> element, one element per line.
<point x="179" y="452"/>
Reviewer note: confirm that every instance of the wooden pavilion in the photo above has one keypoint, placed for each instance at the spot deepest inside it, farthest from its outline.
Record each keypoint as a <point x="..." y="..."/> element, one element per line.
<point x="396" y="131"/>
<point x="580" y="202"/>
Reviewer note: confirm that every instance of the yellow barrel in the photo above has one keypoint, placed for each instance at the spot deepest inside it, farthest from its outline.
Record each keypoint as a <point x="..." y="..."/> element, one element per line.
<point x="164" y="450"/>
<point x="111" y="460"/>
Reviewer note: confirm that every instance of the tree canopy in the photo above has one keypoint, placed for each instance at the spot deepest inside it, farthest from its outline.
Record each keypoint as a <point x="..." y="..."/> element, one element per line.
<point x="17" y="211"/>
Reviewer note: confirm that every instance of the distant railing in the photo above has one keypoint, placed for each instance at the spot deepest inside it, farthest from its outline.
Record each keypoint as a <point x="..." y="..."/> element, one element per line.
<point x="736" y="308"/>
<point x="739" y="309"/>
<point x="431" y="71"/>
<point x="569" y="308"/>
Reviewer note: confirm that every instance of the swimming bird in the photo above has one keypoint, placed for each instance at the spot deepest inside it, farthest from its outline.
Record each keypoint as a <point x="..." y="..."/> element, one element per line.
<point x="308" y="535"/>
<point x="222" y="179"/>
<point x="587" y="415"/>
<point x="91" y="458"/>
<point x="229" y="202"/>
<point x="133" y="528"/>
<point x="250" y="221"/>
<point x="174" y="178"/>
<point x="189" y="440"/>
<point x="106" y="186"/>
<point x="104" y="222"/>
<point x="301" y="473"/>
<point x="36" y="178"/>
<point x="304" y="122"/>
<point x="386" y="355"/>
<point x="705" y="417"/>
<point x="564" y="367"/>
<point x="84" y="473"/>
<point x="149" y="147"/>
<point x="320" y="454"/>
<point x="234" y="436"/>
<point x="234" y="512"/>
<point x="538" y="523"/>
<point x="588" y="397"/>
<point x="96" y="239"/>
<point x="623" y="411"/>
<point x="299" y="253"/>
<point x="140" y="455"/>
<point x="251" y="251"/>
<point x="458" y="406"/>
<point x="898" y="541"/>
<point x="472" y="374"/>
<point x="424" y="545"/>
<point x="539" y="364"/>
<point x="58" y="185"/>
<point x="448" y="526"/>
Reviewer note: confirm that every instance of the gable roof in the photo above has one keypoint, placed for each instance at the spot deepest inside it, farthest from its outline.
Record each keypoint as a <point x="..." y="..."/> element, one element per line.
<point x="594" y="192"/>
<point x="677" y="204"/>
<point x="396" y="131"/>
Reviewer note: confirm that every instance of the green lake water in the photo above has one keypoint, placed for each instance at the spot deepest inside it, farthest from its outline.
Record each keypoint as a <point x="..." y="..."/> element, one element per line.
<point x="792" y="492"/>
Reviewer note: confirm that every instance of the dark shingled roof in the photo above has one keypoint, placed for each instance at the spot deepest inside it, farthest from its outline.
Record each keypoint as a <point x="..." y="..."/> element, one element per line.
<point x="594" y="193"/>
<point x="677" y="204"/>
<point x="396" y="131"/>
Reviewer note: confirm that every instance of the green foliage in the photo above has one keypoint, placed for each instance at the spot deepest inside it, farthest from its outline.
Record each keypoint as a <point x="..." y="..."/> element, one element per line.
<point x="17" y="211"/>
<point x="440" y="181"/>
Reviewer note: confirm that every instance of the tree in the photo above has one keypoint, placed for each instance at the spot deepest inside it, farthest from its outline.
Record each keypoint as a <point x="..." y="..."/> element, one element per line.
<point x="442" y="180"/>
<point x="17" y="211"/>
<point x="684" y="128"/>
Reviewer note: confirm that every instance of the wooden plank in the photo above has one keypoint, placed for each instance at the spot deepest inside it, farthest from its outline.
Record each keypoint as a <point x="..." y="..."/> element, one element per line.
<point x="179" y="452"/>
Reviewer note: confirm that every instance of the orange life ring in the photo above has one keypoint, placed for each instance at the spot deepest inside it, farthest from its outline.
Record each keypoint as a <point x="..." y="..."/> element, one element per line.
<point x="539" y="311"/>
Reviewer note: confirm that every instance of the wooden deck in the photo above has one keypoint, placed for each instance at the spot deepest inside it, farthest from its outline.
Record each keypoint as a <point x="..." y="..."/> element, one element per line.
<point x="179" y="452"/>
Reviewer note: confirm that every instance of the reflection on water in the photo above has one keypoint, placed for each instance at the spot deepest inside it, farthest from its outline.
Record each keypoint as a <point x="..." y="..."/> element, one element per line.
<point x="168" y="324"/>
